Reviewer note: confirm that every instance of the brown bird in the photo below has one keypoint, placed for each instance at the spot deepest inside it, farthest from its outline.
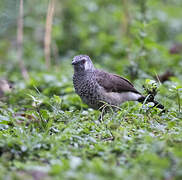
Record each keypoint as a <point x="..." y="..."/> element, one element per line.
<point x="96" y="86"/>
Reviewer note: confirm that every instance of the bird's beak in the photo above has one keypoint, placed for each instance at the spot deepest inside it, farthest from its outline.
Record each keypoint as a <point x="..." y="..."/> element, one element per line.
<point x="73" y="62"/>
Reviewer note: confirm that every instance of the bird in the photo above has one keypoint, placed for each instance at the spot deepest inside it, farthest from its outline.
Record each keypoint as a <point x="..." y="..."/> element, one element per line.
<point x="96" y="87"/>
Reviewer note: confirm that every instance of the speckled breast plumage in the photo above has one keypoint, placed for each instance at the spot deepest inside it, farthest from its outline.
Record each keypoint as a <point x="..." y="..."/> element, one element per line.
<point x="88" y="89"/>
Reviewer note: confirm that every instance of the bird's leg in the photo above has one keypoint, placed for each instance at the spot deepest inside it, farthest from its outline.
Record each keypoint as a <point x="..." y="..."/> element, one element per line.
<point x="100" y="118"/>
<point x="102" y="113"/>
<point x="103" y="110"/>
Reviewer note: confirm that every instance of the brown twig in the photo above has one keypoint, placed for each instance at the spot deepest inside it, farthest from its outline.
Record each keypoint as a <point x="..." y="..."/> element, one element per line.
<point x="165" y="76"/>
<point x="126" y="19"/>
<point x="48" y="30"/>
<point x="20" y="42"/>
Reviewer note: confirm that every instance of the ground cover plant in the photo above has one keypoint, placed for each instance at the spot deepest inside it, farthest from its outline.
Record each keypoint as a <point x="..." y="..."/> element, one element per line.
<point x="46" y="132"/>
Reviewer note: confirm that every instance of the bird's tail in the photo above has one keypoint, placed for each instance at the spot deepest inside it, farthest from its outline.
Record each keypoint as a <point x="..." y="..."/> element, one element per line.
<point x="150" y="98"/>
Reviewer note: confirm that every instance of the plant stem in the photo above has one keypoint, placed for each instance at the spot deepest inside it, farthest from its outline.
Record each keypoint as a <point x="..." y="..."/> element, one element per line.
<point x="179" y="103"/>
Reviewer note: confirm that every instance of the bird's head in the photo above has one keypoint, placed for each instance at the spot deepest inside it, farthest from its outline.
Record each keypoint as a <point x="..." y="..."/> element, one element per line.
<point x="82" y="63"/>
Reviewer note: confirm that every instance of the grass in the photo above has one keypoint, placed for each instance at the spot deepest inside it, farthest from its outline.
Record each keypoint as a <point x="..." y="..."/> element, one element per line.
<point x="46" y="136"/>
<point x="45" y="130"/>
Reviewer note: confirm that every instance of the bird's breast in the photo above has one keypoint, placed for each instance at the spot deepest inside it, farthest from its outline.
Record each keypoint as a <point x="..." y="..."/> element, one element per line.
<point x="84" y="86"/>
<point x="87" y="88"/>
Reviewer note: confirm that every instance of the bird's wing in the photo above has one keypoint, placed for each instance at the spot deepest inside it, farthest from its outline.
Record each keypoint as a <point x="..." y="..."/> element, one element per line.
<point x="114" y="83"/>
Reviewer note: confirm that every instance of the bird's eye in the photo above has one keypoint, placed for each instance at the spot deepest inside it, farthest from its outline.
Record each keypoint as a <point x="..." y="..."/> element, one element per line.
<point x="83" y="61"/>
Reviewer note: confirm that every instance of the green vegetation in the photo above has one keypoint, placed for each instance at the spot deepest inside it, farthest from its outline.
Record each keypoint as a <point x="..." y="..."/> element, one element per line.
<point x="46" y="132"/>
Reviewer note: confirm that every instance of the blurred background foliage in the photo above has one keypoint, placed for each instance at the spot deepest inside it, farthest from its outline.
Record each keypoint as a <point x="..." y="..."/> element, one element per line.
<point x="116" y="34"/>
